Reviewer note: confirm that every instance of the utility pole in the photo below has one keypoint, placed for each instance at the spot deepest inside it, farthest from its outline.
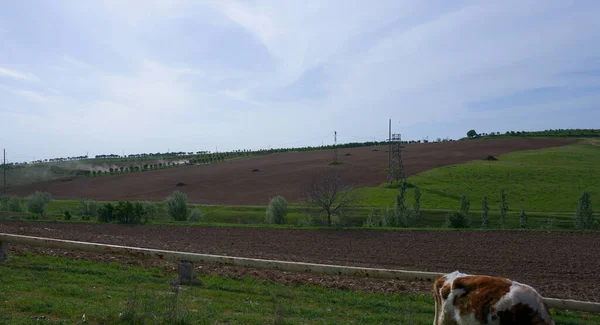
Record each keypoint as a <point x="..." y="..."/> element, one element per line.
<point x="4" y="171"/>
<point x="335" y="147"/>
<point x="390" y="147"/>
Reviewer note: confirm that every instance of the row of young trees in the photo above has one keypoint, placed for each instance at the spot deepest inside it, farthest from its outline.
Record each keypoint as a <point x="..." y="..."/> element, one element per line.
<point x="546" y="133"/>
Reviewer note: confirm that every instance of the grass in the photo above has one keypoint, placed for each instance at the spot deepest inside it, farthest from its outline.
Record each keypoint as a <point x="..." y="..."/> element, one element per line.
<point x="254" y="216"/>
<point x="546" y="180"/>
<point x="63" y="290"/>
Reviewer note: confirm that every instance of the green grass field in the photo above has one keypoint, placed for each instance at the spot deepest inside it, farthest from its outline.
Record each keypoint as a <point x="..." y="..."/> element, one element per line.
<point x="63" y="290"/>
<point x="546" y="180"/>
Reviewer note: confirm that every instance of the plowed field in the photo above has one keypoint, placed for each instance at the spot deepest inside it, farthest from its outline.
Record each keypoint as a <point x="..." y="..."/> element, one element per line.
<point x="559" y="264"/>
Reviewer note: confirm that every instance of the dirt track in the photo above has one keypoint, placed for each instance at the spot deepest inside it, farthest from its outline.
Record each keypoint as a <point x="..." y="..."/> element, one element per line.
<point x="233" y="182"/>
<point x="559" y="264"/>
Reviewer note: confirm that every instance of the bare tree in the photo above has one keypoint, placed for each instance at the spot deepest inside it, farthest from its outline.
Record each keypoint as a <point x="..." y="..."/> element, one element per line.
<point x="328" y="194"/>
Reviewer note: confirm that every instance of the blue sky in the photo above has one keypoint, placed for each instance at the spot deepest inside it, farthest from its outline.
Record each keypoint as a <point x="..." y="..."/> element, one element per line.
<point x="146" y="76"/>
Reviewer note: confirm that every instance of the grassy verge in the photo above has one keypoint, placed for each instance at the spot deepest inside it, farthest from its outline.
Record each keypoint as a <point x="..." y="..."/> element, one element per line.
<point x="546" y="180"/>
<point x="254" y="216"/>
<point x="64" y="290"/>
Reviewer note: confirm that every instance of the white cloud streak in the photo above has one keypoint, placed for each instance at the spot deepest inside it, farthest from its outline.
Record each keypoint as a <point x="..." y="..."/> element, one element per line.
<point x="5" y="72"/>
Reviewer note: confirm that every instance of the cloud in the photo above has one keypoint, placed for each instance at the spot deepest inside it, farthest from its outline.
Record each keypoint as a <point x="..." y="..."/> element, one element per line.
<point x="4" y="72"/>
<point x="141" y="75"/>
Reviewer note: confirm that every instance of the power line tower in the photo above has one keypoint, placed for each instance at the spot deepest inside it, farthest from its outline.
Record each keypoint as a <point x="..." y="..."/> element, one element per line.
<point x="335" y="147"/>
<point x="396" y="170"/>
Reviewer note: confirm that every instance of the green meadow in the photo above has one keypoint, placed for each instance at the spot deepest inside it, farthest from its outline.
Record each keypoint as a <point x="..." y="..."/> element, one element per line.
<point x="51" y="290"/>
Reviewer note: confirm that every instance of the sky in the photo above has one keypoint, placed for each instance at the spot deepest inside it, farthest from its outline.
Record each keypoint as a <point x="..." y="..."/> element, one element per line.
<point x="114" y="77"/>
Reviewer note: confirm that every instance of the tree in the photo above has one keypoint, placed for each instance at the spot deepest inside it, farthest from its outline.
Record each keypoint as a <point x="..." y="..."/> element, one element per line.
<point x="471" y="134"/>
<point x="328" y="194"/>
<point x="401" y="210"/>
<point x="484" y="212"/>
<point x="503" y="209"/>
<point x="584" y="216"/>
<point x="177" y="206"/>
<point x="277" y="210"/>
<point x="89" y="209"/>
<point x="417" y="207"/>
<point x="36" y="203"/>
<point x="523" y="219"/>
<point x="465" y="204"/>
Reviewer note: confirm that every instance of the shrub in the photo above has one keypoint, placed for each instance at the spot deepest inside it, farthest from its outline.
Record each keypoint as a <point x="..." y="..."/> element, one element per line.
<point x="67" y="215"/>
<point x="14" y="204"/>
<point x="106" y="212"/>
<point x="36" y="203"/>
<point x="388" y="217"/>
<point x="196" y="215"/>
<point x="373" y="219"/>
<point x="457" y="220"/>
<point x="584" y="216"/>
<point x="89" y="209"/>
<point x="138" y="211"/>
<point x="150" y="211"/>
<point x="4" y="203"/>
<point x="177" y="206"/>
<point x="277" y="210"/>
<point x="124" y="212"/>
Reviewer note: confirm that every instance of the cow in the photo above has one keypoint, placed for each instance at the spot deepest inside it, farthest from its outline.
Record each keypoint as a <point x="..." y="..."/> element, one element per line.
<point x="463" y="299"/>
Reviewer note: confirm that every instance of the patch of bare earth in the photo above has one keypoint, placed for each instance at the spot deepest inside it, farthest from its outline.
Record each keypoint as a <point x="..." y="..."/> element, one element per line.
<point x="559" y="264"/>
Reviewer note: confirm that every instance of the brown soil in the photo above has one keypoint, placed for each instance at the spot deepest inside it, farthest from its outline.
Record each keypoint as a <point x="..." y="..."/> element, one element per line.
<point x="235" y="183"/>
<point x="558" y="264"/>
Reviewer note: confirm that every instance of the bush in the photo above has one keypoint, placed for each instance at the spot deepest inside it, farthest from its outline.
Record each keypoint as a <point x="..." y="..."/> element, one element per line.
<point x="388" y="217"/>
<point x="36" y="203"/>
<point x="106" y="212"/>
<point x="277" y="210"/>
<point x="67" y="215"/>
<point x="4" y="203"/>
<point x="150" y="211"/>
<point x="125" y="212"/>
<point x="89" y="209"/>
<point x="373" y="219"/>
<point x="177" y="206"/>
<point x="14" y="204"/>
<point x="457" y="220"/>
<point x="196" y="215"/>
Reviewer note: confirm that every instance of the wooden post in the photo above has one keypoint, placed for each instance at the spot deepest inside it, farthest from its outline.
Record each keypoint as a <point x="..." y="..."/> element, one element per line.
<point x="3" y="250"/>
<point x="186" y="272"/>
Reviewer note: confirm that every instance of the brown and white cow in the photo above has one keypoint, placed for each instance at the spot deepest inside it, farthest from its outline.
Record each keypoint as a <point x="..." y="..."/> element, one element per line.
<point x="462" y="299"/>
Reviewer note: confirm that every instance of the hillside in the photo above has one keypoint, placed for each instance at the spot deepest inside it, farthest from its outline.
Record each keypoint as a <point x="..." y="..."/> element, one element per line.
<point x="235" y="183"/>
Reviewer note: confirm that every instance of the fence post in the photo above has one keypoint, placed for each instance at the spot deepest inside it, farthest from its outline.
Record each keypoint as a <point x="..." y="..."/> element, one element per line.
<point x="186" y="272"/>
<point x="3" y="250"/>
